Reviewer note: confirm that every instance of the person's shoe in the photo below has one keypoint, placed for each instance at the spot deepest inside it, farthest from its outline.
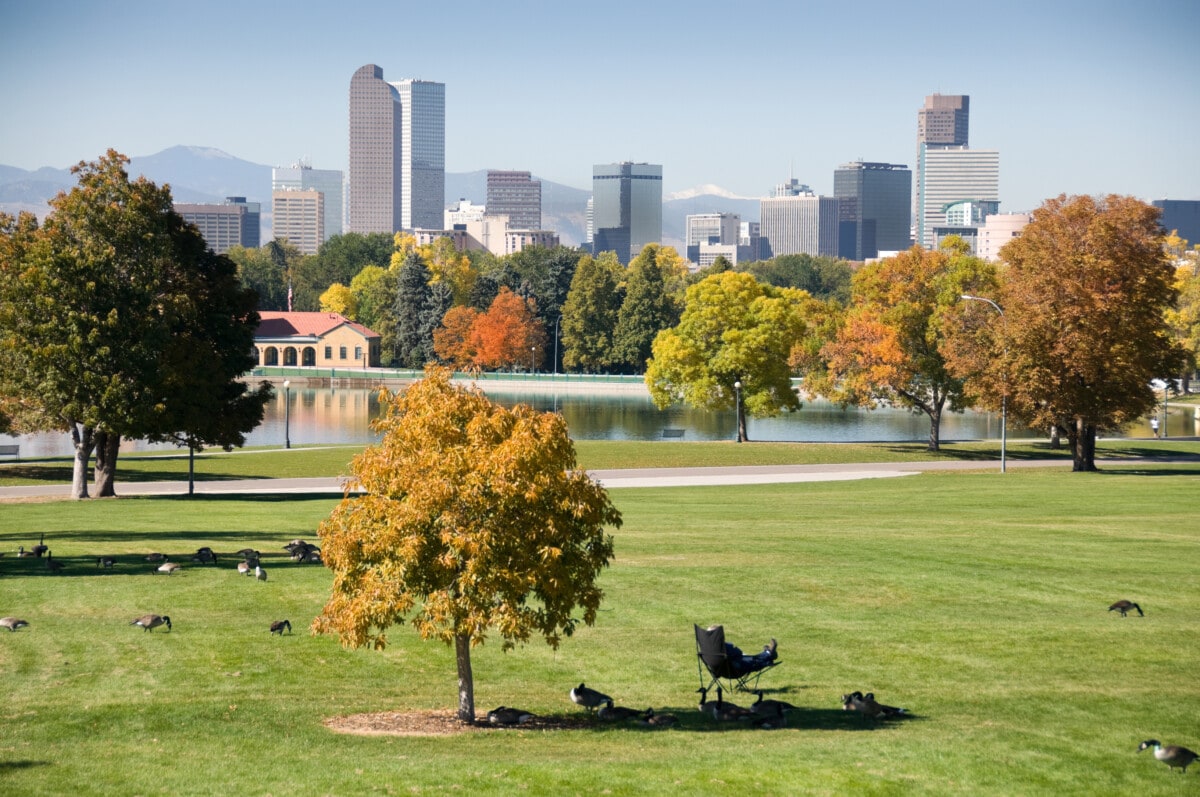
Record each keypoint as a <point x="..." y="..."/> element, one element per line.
<point x="771" y="649"/>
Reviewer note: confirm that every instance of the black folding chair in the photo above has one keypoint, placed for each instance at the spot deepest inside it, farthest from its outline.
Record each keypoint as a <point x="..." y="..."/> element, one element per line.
<point x="713" y="658"/>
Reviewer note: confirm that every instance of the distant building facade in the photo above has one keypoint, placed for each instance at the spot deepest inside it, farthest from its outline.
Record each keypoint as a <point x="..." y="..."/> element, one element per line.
<point x="463" y="211"/>
<point x="626" y="208"/>
<point x="516" y="195"/>
<point x="320" y="340"/>
<point x="235" y="222"/>
<point x="1181" y="215"/>
<point x="330" y="182"/>
<point x="943" y="121"/>
<point x="793" y="225"/>
<point x="876" y="208"/>
<point x="397" y="175"/>
<point x="997" y="230"/>
<point x="710" y="228"/>
<point x="951" y="175"/>
<point x="298" y="215"/>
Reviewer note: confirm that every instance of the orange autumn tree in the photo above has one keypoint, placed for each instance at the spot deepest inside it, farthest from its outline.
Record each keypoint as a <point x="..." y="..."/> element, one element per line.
<point x="452" y="340"/>
<point x="465" y="518"/>
<point x="509" y="334"/>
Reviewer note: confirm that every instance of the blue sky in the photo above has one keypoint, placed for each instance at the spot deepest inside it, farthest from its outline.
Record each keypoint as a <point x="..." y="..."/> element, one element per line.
<point x="1079" y="97"/>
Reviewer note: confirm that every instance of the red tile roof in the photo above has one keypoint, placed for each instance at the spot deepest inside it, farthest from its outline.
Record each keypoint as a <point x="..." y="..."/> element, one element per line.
<point x="275" y="324"/>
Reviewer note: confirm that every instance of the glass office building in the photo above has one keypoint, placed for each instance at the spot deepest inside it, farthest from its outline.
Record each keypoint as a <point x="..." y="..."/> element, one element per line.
<point x="626" y="208"/>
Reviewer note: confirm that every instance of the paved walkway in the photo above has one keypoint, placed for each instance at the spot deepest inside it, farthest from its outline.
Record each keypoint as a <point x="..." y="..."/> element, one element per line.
<point x="615" y="479"/>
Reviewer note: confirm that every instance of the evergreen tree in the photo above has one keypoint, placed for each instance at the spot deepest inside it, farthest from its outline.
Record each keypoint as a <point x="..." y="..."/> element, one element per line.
<point x="589" y="314"/>
<point x="647" y="309"/>
<point x="413" y="344"/>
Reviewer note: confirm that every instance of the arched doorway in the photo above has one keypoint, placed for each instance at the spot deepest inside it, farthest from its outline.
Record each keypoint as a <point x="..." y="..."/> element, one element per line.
<point x="289" y="356"/>
<point x="308" y="356"/>
<point x="270" y="356"/>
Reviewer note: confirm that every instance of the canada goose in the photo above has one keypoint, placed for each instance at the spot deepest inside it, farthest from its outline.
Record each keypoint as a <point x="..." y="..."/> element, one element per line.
<point x="768" y="708"/>
<point x="1172" y="755"/>
<point x="12" y="623"/>
<point x="278" y="626"/>
<point x="722" y="711"/>
<point x="867" y="706"/>
<point x="156" y="557"/>
<point x="40" y="548"/>
<point x="260" y="574"/>
<point x="588" y="698"/>
<point x="169" y="567"/>
<point x="249" y="553"/>
<point x="148" y="621"/>
<point x="52" y="565"/>
<point x="106" y="562"/>
<point x="1124" y="606"/>
<point x="655" y="720"/>
<point x="611" y="713"/>
<point x="245" y="569"/>
<point x="855" y="702"/>
<point x="770" y="718"/>
<point x="508" y="716"/>
<point x="880" y="709"/>
<point x="24" y="554"/>
<point x="204" y="556"/>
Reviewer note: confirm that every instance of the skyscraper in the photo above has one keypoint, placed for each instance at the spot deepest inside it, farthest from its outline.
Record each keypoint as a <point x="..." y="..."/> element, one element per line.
<point x="949" y="176"/>
<point x="516" y="195"/>
<point x="235" y="222"/>
<point x="802" y="224"/>
<point x="944" y="121"/>
<point x="397" y="173"/>
<point x="302" y="176"/>
<point x="876" y="210"/>
<point x="298" y="215"/>
<point x="626" y="208"/>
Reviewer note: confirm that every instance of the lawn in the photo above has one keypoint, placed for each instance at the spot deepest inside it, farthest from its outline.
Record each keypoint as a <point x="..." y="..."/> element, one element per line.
<point x="978" y="601"/>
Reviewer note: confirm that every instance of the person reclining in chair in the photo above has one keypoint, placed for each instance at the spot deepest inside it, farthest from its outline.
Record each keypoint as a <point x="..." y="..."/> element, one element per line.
<point x="740" y="664"/>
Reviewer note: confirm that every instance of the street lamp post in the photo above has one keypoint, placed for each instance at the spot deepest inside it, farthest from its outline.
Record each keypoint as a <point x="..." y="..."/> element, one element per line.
<point x="532" y="351"/>
<point x="737" y="397"/>
<point x="556" y="344"/>
<point x="1004" y="395"/>
<point x="287" y="412"/>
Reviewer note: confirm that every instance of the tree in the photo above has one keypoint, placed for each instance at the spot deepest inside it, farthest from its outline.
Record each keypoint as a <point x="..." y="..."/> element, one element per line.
<point x="452" y="339"/>
<point x="590" y="313"/>
<point x="338" y="260"/>
<point x="733" y="330"/>
<point x="1084" y="294"/>
<point x="890" y="345"/>
<point x="372" y="290"/>
<point x="509" y="334"/>
<point x="1184" y="317"/>
<point x="337" y="298"/>
<point x="450" y="267"/>
<point x="118" y="321"/>
<point x="823" y="277"/>
<point x="466" y="517"/>
<point x="413" y="342"/>
<point x="258" y="270"/>
<point x="648" y="308"/>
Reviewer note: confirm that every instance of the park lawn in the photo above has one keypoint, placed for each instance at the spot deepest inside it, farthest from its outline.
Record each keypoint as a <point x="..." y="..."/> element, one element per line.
<point x="266" y="463"/>
<point x="978" y="601"/>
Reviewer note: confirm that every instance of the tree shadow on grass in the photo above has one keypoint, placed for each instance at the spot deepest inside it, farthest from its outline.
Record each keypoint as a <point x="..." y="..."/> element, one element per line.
<point x="55" y="472"/>
<point x="9" y="766"/>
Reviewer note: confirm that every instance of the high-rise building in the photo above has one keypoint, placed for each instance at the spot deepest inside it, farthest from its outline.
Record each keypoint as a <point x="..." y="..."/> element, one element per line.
<point x="302" y="176"/>
<point x="795" y="225"/>
<point x="235" y="222"/>
<point x="423" y="153"/>
<point x="949" y="176"/>
<point x="516" y="195"/>
<point x="298" y="216"/>
<point x="1182" y="216"/>
<point x="397" y="174"/>
<point x="626" y="208"/>
<point x="710" y="228"/>
<point x="876" y="210"/>
<point x="944" y="121"/>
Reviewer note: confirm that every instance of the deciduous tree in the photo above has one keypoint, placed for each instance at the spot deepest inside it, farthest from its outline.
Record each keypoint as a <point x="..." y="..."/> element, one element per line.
<point x="466" y="519"/>
<point x="590" y="313"/>
<point x="733" y="330"/>
<point x="509" y="334"/>
<point x="1084" y="294"/>
<point x="452" y="340"/>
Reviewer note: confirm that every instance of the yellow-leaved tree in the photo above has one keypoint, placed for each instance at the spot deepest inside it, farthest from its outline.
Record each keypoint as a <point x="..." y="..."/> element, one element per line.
<point x="466" y="517"/>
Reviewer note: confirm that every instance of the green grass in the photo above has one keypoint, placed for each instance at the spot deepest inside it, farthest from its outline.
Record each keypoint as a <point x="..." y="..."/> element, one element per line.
<point x="975" y="600"/>
<point x="593" y="454"/>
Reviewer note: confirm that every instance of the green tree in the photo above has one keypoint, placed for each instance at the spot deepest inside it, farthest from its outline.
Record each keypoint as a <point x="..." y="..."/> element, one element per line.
<point x="338" y="298"/>
<point x="118" y="321"/>
<point x="466" y="517"/>
<point x="590" y="313"/>
<point x="823" y="277"/>
<point x="735" y="334"/>
<point x="373" y="289"/>
<point x="413" y="342"/>
<point x="890" y="347"/>
<point x="257" y="269"/>
<point x="338" y="260"/>
<point x="647" y="309"/>
<point x="1085" y="295"/>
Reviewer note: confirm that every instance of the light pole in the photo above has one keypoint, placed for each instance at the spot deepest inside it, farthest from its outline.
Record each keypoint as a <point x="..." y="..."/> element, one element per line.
<point x="1004" y="395"/>
<point x="287" y="412"/>
<point x="737" y="397"/>
<point x="532" y="351"/>
<point x="556" y="344"/>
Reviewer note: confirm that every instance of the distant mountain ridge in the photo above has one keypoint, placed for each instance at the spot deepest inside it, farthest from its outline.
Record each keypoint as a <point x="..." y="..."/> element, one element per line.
<point x="206" y="174"/>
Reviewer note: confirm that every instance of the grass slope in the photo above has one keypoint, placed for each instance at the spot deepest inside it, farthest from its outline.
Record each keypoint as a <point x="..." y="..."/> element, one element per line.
<point x="975" y="600"/>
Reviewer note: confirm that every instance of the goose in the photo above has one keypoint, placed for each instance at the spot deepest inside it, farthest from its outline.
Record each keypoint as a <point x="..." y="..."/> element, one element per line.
<point x="148" y="621"/>
<point x="771" y="718"/>
<point x="509" y="716"/>
<point x="588" y="698"/>
<point x="12" y="623"/>
<point x="40" y="548"/>
<point x="169" y="567"/>
<point x="611" y="713"/>
<point x="259" y="573"/>
<point x="655" y="720"/>
<point x="855" y="702"/>
<point x="24" y="554"/>
<point x="52" y="565"/>
<point x="722" y="711"/>
<point x="204" y="555"/>
<point x="769" y="708"/>
<point x="1123" y="606"/>
<point x="880" y="709"/>
<point x="106" y="562"/>
<point x="156" y="557"/>
<point x="1172" y="755"/>
<point x="278" y="626"/>
<point x="249" y="553"/>
<point x="245" y="569"/>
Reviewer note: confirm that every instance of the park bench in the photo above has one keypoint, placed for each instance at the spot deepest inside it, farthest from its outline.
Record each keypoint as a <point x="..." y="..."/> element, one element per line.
<point x="669" y="434"/>
<point x="10" y="451"/>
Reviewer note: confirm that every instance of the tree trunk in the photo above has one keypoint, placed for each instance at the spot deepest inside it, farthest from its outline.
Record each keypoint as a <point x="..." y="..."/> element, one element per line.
<point x="934" y="411"/>
<point x="1082" y="437"/>
<point x="741" y="421"/>
<point x="466" y="681"/>
<point x="107" y="447"/>
<point x="83" y="438"/>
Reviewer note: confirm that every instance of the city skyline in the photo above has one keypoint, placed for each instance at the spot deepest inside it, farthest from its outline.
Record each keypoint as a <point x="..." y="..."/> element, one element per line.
<point x="1046" y="86"/>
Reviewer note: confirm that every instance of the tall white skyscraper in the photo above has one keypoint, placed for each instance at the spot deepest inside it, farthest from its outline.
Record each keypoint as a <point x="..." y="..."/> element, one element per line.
<point x="951" y="175"/>
<point x="423" y="153"/>
<point x="799" y="225"/>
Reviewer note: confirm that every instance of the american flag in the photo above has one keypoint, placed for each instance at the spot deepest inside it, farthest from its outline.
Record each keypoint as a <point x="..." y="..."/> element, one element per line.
<point x="289" y="297"/>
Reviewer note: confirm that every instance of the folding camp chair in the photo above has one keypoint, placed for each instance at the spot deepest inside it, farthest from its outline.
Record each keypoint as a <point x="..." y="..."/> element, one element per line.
<point x="713" y="658"/>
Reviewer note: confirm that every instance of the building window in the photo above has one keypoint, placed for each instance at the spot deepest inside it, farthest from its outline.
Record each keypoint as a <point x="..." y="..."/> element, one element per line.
<point x="357" y="353"/>
<point x="328" y="352"/>
<point x="341" y="352"/>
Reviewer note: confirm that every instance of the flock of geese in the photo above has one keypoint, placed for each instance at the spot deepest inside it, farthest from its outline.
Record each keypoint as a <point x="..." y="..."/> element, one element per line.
<point x="250" y="565"/>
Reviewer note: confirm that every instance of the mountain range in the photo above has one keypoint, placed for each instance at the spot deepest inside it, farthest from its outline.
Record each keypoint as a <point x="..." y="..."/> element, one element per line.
<point x="205" y="174"/>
